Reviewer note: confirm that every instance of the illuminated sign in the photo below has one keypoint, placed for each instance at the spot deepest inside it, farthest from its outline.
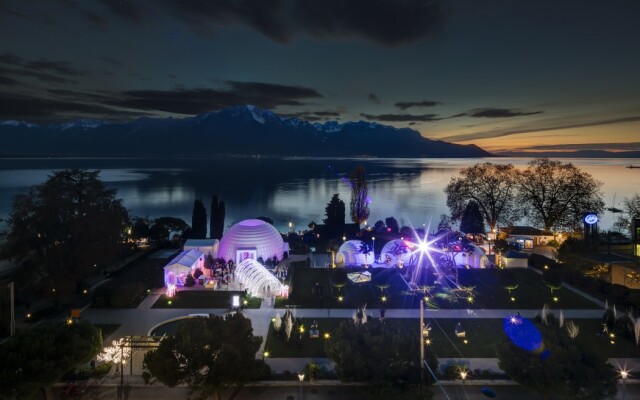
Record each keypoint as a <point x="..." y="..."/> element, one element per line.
<point x="590" y="219"/>
<point x="235" y="301"/>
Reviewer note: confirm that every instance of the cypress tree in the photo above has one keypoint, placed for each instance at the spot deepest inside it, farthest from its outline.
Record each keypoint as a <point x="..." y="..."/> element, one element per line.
<point x="199" y="220"/>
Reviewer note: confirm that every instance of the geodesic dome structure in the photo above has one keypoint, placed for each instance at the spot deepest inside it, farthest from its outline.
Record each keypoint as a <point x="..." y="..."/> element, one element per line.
<point x="258" y="280"/>
<point x="394" y="251"/>
<point x="350" y="253"/>
<point x="251" y="238"/>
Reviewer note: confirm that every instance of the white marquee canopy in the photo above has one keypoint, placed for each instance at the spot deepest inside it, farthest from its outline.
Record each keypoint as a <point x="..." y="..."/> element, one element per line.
<point x="258" y="280"/>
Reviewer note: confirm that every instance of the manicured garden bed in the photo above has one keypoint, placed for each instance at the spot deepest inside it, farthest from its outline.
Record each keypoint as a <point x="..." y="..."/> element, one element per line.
<point x="203" y="299"/>
<point x="489" y="292"/>
<point x="481" y="336"/>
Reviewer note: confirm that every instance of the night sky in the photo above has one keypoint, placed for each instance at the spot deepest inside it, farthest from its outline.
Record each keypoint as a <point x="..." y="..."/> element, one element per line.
<point x="501" y="74"/>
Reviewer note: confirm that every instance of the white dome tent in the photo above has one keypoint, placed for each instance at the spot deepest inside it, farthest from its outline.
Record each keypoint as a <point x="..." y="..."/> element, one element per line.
<point x="250" y="239"/>
<point x="258" y="280"/>
<point x="349" y="254"/>
<point x="395" y="251"/>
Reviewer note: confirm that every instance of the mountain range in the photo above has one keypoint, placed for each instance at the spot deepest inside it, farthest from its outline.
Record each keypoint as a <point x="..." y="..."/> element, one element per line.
<point x="241" y="130"/>
<point x="571" y="154"/>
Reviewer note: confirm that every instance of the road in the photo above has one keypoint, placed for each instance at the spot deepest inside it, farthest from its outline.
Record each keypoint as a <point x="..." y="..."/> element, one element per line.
<point x="312" y="392"/>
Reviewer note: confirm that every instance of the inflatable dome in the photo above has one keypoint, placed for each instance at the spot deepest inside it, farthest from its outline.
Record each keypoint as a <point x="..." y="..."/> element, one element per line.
<point x="395" y="251"/>
<point x="350" y="254"/>
<point x="474" y="259"/>
<point x="250" y="239"/>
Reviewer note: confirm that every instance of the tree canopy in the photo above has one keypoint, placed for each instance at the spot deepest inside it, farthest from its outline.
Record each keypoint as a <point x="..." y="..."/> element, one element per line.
<point x="472" y="221"/>
<point x="207" y="354"/>
<point x="335" y="212"/>
<point x="569" y="368"/>
<point x="216" y="223"/>
<point x="631" y="209"/>
<point x="163" y="226"/>
<point x="67" y="225"/>
<point x="491" y="186"/>
<point x="40" y="356"/>
<point x="377" y="353"/>
<point x="199" y="220"/>
<point x="555" y="195"/>
<point x="359" y="205"/>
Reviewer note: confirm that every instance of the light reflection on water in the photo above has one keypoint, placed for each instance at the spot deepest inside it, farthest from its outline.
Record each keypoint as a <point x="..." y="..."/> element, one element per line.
<point x="294" y="190"/>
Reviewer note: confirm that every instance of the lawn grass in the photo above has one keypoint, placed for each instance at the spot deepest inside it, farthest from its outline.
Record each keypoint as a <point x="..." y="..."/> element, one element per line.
<point x="481" y="335"/>
<point x="107" y="329"/>
<point x="203" y="299"/>
<point x="489" y="293"/>
<point x="308" y="347"/>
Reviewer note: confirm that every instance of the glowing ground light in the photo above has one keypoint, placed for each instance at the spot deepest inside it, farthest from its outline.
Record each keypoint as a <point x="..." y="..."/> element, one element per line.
<point x="513" y="299"/>
<point x="245" y="302"/>
<point x="465" y="341"/>
<point x="555" y="299"/>
<point x="302" y="329"/>
<point x="428" y="342"/>
<point x="29" y="315"/>
<point x="265" y="354"/>
<point x="327" y="336"/>
<point x="273" y="319"/>
<point x="340" y="299"/>
<point x="470" y="299"/>
<point x="383" y="299"/>
<point x="169" y="302"/>
<point x="85" y="291"/>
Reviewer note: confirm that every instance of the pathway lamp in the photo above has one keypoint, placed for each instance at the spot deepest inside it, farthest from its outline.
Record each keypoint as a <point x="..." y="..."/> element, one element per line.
<point x="301" y="378"/>
<point x="624" y="374"/>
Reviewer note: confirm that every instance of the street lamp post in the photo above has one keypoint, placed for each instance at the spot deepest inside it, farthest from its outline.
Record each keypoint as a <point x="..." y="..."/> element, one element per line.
<point x="301" y="378"/>
<point x="624" y="374"/>
<point x="463" y="376"/>
<point x="373" y="247"/>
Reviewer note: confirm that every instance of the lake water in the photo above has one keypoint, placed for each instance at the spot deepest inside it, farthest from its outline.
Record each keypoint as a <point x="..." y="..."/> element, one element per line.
<point x="288" y="190"/>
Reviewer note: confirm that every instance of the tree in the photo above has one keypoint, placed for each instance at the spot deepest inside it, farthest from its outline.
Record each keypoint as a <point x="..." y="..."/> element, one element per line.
<point x="38" y="357"/>
<point x="632" y="210"/>
<point x="555" y="194"/>
<point x="491" y="186"/>
<point x="359" y="205"/>
<point x="189" y="281"/>
<point x="163" y="227"/>
<point x="379" y="227"/>
<point x="141" y="228"/>
<point x="472" y="221"/>
<point x="445" y="223"/>
<point x="216" y="224"/>
<point x="199" y="220"/>
<point x="566" y="368"/>
<point x="392" y="224"/>
<point x="208" y="355"/>
<point x="335" y="212"/>
<point x="67" y="225"/>
<point x="376" y="353"/>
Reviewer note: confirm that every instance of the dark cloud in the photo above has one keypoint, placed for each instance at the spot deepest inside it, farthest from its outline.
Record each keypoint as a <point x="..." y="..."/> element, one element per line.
<point x="507" y="132"/>
<point x="402" y="117"/>
<point x="95" y="19"/>
<point x="57" y="67"/>
<point x="265" y="16"/>
<point x="389" y="23"/>
<point x="586" y="146"/>
<point x="125" y="9"/>
<point x="7" y="81"/>
<point x="47" y="71"/>
<point x="498" y="113"/>
<point x="45" y="109"/>
<point x="403" y="105"/>
<point x="41" y="76"/>
<point x="313" y="115"/>
<point x="374" y="98"/>
<point x="201" y="100"/>
<point x="32" y="14"/>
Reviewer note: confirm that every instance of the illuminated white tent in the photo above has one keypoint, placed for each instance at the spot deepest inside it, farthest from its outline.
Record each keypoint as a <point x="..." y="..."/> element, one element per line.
<point x="251" y="238"/>
<point x="350" y="254"/>
<point x="395" y="251"/>
<point x="185" y="263"/>
<point x="258" y="280"/>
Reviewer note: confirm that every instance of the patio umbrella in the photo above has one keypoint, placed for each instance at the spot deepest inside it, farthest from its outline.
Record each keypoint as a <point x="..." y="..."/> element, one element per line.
<point x="359" y="277"/>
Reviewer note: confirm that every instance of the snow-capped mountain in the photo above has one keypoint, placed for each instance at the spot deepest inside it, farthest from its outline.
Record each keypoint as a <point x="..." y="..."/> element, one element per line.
<point x="245" y="130"/>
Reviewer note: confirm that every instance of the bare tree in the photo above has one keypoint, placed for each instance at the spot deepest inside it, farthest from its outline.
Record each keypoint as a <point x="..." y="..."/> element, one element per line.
<point x="555" y="194"/>
<point x="492" y="186"/>
<point x="359" y="207"/>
